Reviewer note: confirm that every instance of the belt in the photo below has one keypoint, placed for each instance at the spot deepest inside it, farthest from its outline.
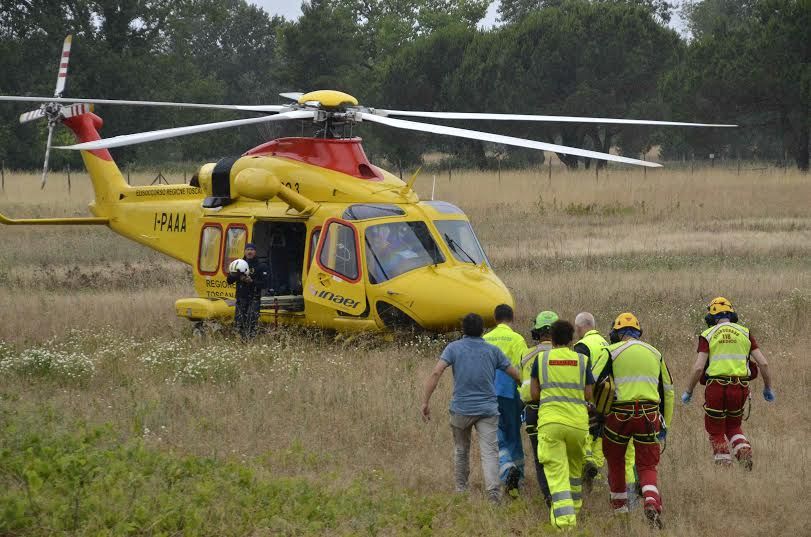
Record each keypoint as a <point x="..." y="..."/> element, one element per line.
<point x="743" y="381"/>
<point x="634" y="408"/>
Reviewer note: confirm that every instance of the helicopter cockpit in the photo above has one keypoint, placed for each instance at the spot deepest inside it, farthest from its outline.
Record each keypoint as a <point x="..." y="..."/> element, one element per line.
<point x="394" y="248"/>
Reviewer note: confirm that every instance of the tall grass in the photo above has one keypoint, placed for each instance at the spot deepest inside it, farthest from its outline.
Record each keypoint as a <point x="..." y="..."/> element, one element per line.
<point x="89" y="337"/>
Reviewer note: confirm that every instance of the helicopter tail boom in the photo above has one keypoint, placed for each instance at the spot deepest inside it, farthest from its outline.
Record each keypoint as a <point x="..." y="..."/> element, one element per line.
<point x="108" y="182"/>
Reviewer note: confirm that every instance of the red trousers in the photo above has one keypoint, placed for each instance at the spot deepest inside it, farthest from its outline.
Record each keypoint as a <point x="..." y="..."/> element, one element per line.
<point x="641" y="426"/>
<point x="723" y="414"/>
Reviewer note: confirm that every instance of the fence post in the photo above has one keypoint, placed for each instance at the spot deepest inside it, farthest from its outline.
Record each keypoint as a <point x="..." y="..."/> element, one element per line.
<point x="3" y="174"/>
<point x="128" y="176"/>
<point x="550" y="171"/>
<point x="68" y="178"/>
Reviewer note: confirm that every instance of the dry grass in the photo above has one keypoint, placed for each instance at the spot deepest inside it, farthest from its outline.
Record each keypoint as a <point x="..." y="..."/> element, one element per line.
<point x="661" y="245"/>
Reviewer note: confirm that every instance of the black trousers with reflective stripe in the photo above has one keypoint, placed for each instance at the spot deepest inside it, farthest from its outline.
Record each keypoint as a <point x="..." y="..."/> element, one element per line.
<point x="532" y="431"/>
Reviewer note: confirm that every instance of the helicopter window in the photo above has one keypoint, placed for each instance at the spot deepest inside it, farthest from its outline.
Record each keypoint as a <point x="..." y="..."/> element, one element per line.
<point x="210" y="243"/>
<point x="338" y="253"/>
<point x="444" y="207"/>
<point x="235" y="239"/>
<point x="462" y="242"/>
<point x="399" y="247"/>
<point x="364" y="211"/>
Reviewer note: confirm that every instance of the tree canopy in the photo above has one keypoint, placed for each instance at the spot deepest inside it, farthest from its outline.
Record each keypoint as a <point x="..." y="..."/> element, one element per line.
<point x="746" y="62"/>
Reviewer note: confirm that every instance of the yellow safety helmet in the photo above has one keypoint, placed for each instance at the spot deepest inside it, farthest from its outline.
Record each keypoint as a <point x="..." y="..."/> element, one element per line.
<point x="626" y="320"/>
<point x="720" y="305"/>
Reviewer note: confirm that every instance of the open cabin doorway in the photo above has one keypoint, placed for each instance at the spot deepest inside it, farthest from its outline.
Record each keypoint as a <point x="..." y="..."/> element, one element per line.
<point x="282" y="245"/>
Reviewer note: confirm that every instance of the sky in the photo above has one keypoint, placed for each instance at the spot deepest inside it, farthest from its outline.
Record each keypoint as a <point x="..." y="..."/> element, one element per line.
<point x="291" y="9"/>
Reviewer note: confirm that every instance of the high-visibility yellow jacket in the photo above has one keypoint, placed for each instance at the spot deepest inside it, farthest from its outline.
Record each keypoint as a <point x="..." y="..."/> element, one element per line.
<point x="526" y="368"/>
<point x="640" y="374"/>
<point x="729" y="350"/>
<point x="513" y="345"/>
<point x="562" y="376"/>
<point x="598" y="350"/>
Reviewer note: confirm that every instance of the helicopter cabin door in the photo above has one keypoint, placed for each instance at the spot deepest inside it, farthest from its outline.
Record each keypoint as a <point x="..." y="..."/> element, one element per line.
<point x="335" y="279"/>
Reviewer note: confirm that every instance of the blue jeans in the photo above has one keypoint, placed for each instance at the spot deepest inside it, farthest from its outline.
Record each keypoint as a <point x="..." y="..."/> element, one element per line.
<point x="510" y="449"/>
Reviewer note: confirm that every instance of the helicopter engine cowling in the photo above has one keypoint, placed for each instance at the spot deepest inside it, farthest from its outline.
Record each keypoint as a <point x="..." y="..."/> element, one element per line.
<point x="263" y="185"/>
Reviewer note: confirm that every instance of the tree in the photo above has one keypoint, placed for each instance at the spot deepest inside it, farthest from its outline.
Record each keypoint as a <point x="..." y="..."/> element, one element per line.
<point x="753" y="69"/>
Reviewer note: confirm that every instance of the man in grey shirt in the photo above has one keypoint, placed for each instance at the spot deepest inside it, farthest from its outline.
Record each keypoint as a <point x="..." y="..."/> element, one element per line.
<point x="474" y="363"/>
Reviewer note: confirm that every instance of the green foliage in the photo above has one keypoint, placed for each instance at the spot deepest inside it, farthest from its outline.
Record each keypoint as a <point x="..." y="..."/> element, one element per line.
<point x="610" y="58"/>
<point x="88" y="481"/>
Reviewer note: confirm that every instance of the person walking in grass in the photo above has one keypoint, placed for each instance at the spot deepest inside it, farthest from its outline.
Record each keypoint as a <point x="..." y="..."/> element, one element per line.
<point x="510" y="448"/>
<point x="474" y="363"/>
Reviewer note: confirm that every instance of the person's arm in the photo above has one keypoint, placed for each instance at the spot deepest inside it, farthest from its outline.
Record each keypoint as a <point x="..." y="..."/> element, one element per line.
<point x="535" y="389"/>
<point x="535" y="383"/>
<point x="763" y="365"/>
<point x="588" y="391"/>
<point x="513" y="372"/>
<point x="698" y="371"/>
<point x="430" y="385"/>
<point x="667" y="392"/>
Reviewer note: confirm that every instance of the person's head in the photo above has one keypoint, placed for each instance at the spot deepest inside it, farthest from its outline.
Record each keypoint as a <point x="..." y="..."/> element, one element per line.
<point x="562" y="333"/>
<point x="504" y="314"/>
<point x="583" y="323"/>
<point x="250" y="250"/>
<point x="720" y="309"/>
<point x="473" y="325"/>
<point x="542" y="325"/>
<point x="626" y="326"/>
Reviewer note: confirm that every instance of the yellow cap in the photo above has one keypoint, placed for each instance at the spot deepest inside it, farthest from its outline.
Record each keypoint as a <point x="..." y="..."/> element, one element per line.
<point x="720" y="305"/>
<point x="626" y="320"/>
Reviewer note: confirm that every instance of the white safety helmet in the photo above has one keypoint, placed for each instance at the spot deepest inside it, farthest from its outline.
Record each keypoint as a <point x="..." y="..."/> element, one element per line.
<point x="238" y="265"/>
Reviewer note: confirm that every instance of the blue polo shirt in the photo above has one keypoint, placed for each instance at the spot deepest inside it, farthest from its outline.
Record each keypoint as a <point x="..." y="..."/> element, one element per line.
<point x="474" y="363"/>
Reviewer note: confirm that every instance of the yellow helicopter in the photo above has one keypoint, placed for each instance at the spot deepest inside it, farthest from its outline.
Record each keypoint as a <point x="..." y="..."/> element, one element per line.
<point x="351" y="247"/>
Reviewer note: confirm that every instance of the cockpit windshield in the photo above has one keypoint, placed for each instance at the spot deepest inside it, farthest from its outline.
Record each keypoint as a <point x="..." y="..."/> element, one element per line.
<point x="399" y="247"/>
<point x="462" y="242"/>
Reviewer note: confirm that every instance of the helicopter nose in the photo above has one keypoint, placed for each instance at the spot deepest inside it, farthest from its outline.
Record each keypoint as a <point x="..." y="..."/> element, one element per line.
<point x="439" y="302"/>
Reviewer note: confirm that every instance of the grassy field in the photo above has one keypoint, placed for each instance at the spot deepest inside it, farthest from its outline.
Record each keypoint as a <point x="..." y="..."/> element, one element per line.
<point x="116" y="421"/>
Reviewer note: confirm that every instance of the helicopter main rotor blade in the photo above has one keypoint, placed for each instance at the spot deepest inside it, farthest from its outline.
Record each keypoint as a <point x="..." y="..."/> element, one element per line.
<point x="62" y="74"/>
<point x="292" y="95"/>
<point x="531" y="117"/>
<point x="151" y="136"/>
<point x="501" y="139"/>
<point x="47" y="154"/>
<point x="244" y="108"/>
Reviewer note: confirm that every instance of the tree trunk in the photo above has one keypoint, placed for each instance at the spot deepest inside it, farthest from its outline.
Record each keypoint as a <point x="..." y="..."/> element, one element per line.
<point x="801" y="147"/>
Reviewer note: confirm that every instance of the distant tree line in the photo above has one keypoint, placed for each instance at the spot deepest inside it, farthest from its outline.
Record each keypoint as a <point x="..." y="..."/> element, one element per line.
<point x="742" y="61"/>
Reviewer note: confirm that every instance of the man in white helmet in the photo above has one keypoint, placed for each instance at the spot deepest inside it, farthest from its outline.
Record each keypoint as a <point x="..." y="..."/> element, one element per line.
<point x="250" y="282"/>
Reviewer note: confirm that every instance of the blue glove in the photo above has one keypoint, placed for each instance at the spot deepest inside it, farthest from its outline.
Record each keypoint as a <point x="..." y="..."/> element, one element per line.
<point x="686" y="397"/>
<point x="662" y="436"/>
<point x="768" y="395"/>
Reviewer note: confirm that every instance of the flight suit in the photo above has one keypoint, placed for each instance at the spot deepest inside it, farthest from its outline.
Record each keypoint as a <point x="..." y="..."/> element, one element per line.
<point x="249" y="298"/>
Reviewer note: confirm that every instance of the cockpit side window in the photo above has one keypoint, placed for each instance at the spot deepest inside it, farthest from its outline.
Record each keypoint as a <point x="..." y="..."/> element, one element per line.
<point x="399" y="247"/>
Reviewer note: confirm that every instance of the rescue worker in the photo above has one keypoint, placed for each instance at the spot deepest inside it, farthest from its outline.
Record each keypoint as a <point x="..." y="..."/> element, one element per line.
<point x="510" y="448"/>
<point x="474" y="363"/>
<point x="594" y="346"/>
<point x="541" y="334"/>
<point x="642" y="408"/>
<point x="249" y="293"/>
<point x="724" y="352"/>
<point x="562" y="384"/>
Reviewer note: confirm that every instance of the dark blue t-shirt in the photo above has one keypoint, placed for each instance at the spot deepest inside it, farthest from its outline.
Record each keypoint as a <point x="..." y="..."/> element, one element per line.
<point x="474" y="363"/>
